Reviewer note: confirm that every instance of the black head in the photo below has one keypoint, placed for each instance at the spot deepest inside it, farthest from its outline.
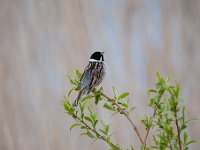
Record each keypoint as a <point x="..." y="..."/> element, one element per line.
<point x="97" y="56"/>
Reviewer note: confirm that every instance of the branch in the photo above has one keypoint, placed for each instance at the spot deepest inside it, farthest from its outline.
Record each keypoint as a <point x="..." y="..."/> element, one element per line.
<point x="170" y="144"/>
<point x="154" y="113"/>
<point x="177" y="127"/>
<point x="97" y="133"/>
<point x="148" y="130"/>
<point x="126" y="114"/>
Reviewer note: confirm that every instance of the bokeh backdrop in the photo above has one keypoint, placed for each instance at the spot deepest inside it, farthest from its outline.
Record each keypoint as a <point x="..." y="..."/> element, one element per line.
<point x="42" y="40"/>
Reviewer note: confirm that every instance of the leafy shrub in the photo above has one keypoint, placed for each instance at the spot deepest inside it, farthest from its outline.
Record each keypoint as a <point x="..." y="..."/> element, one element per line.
<point x="168" y="121"/>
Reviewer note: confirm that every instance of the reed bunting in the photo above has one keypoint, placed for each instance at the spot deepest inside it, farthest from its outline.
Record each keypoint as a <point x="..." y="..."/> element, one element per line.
<point x="92" y="75"/>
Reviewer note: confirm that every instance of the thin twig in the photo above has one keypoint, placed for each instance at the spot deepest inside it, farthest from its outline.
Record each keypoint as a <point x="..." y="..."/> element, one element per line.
<point x="177" y="127"/>
<point x="148" y="130"/>
<point x="126" y="114"/>
<point x="170" y="144"/>
<point x="97" y="133"/>
<point x="154" y="113"/>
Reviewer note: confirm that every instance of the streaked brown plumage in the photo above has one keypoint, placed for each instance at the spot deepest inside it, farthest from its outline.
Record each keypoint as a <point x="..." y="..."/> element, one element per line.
<point x="92" y="75"/>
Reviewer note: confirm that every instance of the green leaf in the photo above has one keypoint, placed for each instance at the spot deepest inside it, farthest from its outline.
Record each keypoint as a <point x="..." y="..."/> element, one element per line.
<point x="86" y="98"/>
<point x="183" y="126"/>
<point x="72" y="81"/>
<point x="97" y="94"/>
<point x="67" y="105"/>
<point x="102" y="131"/>
<point x="144" y="122"/>
<point x="132" y="148"/>
<point x="183" y="113"/>
<point x="177" y="90"/>
<point x="103" y="123"/>
<point x="97" y="98"/>
<point x="123" y="95"/>
<point x="107" y="127"/>
<point x="142" y="147"/>
<point x="65" y="97"/>
<point x="185" y="137"/>
<point x="152" y="102"/>
<point x="190" y="120"/>
<point x="90" y="110"/>
<point x="78" y="74"/>
<point x="190" y="142"/>
<point x="95" y="123"/>
<point x="74" y="125"/>
<point x="88" y="119"/>
<point x="83" y="127"/>
<point x="114" y="91"/>
<point x="70" y="91"/>
<point x="109" y="107"/>
<point x="76" y="81"/>
<point x="160" y="78"/>
<point x="132" y="109"/>
<point x="82" y="107"/>
<point x="82" y="115"/>
<point x="71" y="111"/>
<point x="168" y="78"/>
<point x="155" y="140"/>
<point x="124" y="104"/>
<point x="151" y="91"/>
<point x="93" y="116"/>
<point x="89" y="134"/>
<point x="113" y="146"/>
<point x="77" y="88"/>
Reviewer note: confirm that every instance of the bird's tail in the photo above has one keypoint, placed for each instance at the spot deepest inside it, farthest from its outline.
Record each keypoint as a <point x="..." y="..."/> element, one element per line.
<point x="75" y="104"/>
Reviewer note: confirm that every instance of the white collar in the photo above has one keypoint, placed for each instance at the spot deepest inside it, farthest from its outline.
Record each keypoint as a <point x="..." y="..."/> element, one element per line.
<point x="93" y="60"/>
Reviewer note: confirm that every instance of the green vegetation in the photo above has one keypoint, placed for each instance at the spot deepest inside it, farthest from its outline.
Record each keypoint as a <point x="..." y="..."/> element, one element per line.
<point x="168" y="122"/>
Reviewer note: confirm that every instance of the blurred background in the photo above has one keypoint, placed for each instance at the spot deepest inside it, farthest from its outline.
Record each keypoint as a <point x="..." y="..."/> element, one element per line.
<point x="42" y="40"/>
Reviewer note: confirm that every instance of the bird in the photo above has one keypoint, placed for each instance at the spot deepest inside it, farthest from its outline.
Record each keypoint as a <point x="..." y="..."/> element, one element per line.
<point x="92" y="76"/>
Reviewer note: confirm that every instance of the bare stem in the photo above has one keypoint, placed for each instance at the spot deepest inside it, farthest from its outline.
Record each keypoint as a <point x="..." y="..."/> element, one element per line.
<point x="126" y="114"/>
<point x="177" y="127"/>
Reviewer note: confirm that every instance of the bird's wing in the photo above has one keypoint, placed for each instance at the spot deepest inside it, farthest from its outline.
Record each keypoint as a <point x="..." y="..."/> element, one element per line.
<point x="86" y="77"/>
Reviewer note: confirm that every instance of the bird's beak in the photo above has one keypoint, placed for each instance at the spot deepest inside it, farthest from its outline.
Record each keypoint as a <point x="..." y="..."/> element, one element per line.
<point x="102" y="52"/>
